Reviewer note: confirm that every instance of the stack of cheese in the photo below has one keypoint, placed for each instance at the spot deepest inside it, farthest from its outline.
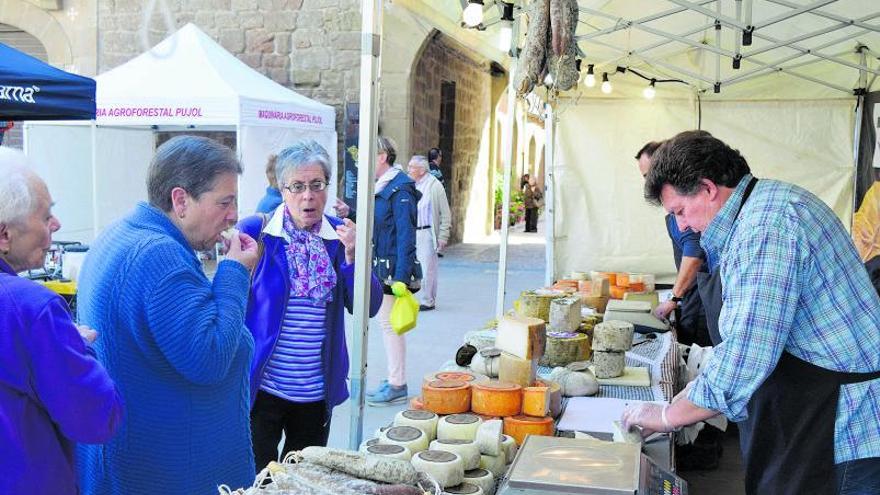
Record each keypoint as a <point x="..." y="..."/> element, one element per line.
<point x="611" y="340"/>
<point x="564" y="343"/>
<point x="536" y="303"/>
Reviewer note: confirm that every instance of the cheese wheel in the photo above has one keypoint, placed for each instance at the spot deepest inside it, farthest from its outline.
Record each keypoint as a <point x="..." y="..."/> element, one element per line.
<point x="423" y="420"/>
<point x="611" y="276"/>
<point x="464" y="489"/>
<point x="555" y="396"/>
<point x="609" y="364"/>
<point x="458" y="427"/>
<point x="613" y="335"/>
<point x="575" y="383"/>
<point x="521" y="336"/>
<point x="367" y="443"/>
<point x="496" y="399"/>
<point x="513" y="369"/>
<point x="519" y="427"/>
<point x="488" y="437"/>
<point x="536" y="303"/>
<point x="390" y="450"/>
<point x="565" y="314"/>
<point x="536" y="401"/>
<point x="509" y="446"/>
<point x="482" y="338"/>
<point x="486" y="362"/>
<point x="482" y="478"/>
<point x="598" y="303"/>
<point x="466" y="449"/>
<point x="600" y="287"/>
<point x="446" y="397"/>
<point x="617" y="292"/>
<point x="445" y="467"/>
<point x="410" y="437"/>
<point x="468" y="377"/>
<point x="565" y="347"/>
<point x="495" y="464"/>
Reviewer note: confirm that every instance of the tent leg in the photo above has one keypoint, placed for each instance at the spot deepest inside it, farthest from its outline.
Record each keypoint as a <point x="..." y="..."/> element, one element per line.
<point x="505" y="181"/>
<point x="549" y="198"/>
<point x="371" y="41"/>
<point x="94" y="137"/>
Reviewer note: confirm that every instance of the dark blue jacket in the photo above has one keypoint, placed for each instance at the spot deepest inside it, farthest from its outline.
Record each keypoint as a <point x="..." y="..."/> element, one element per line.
<point x="270" y="291"/>
<point x="394" y="231"/>
<point x="270" y="201"/>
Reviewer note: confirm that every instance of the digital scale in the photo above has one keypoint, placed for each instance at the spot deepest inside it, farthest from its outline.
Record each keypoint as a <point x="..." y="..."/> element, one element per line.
<point x="558" y="465"/>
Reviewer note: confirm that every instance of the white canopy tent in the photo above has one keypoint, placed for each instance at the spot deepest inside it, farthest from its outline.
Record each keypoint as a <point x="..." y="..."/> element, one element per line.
<point x="188" y="82"/>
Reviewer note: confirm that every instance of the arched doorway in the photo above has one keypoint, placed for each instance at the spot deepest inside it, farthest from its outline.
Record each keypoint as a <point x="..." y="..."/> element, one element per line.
<point x="27" y="43"/>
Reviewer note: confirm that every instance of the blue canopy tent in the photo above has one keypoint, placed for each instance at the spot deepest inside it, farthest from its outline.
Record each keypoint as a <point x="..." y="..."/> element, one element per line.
<point x="33" y="90"/>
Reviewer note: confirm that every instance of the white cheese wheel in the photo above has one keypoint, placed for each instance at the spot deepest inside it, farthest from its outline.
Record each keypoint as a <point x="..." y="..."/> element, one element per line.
<point x="575" y="383"/>
<point x="407" y="436"/>
<point x="609" y="364"/>
<point x="509" y="446"/>
<point x="445" y="467"/>
<point x="565" y="314"/>
<point x="488" y="437"/>
<point x="390" y="450"/>
<point x="496" y="464"/>
<point x="482" y="478"/>
<point x="613" y="335"/>
<point x="466" y="449"/>
<point x="423" y="420"/>
<point x="464" y="489"/>
<point x="458" y="427"/>
<point x="367" y="443"/>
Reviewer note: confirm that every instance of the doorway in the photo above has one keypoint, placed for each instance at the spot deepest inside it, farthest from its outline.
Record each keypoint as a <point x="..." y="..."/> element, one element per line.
<point x="446" y="133"/>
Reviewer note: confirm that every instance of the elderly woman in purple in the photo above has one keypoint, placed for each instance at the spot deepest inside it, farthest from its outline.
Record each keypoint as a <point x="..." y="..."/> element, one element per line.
<point x="53" y="392"/>
<point x="301" y="285"/>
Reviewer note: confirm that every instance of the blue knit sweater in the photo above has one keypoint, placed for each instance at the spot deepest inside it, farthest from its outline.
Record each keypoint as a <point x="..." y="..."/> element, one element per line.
<point x="176" y="345"/>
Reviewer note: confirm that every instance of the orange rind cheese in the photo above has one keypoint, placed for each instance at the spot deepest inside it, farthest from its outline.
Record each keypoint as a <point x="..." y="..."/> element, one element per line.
<point x="446" y="396"/>
<point x="519" y="427"/>
<point x="536" y="401"/>
<point x="496" y="399"/>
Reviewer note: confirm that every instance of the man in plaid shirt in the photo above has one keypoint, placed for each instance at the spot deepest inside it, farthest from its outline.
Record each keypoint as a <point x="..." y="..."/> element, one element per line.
<point x="799" y="365"/>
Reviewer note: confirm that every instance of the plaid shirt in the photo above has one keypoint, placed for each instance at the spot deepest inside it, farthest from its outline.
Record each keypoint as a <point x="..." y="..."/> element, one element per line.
<point x="792" y="281"/>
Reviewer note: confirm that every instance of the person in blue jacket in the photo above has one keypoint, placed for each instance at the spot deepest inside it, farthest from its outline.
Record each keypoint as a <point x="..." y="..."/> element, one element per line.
<point x="394" y="260"/>
<point x="272" y="198"/>
<point x="173" y="339"/>
<point x="53" y="392"/>
<point x="302" y="284"/>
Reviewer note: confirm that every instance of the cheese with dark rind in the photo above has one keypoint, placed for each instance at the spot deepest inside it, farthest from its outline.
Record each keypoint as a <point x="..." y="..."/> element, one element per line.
<point x="446" y="397"/>
<point x="466" y="449"/>
<point x="496" y="398"/>
<point x="519" y="427"/>
<point x="423" y="420"/>
<point x="464" y="488"/>
<point x="393" y="451"/>
<point x="536" y="303"/>
<point x="613" y="335"/>
<point x="458" y="427"/>
<point x="565" y="347"/>
<point x="482" y="478"/>
<point x="445" y="467"/>
<point x="410" y="437"/>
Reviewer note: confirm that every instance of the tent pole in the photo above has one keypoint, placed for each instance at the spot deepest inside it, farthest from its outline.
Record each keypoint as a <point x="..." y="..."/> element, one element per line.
<point x="627" y="25"/>
<point x="737" y="40"/>
<point x="94" y="138"/>
<point x="549" y="197"/>
<point x="718" y="45"/>
<point x="505" y="180"/>
<point x="792" y="13"/>
<point x="371" y="42"/>
<point x="712" y="15"/>
<point x="857" y="128"/>
<point x="829" y="15"/>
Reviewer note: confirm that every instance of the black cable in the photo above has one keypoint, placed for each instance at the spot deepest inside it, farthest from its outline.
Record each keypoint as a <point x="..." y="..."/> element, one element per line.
<point x="652" y="79"/>
<point x="699" y="112"/>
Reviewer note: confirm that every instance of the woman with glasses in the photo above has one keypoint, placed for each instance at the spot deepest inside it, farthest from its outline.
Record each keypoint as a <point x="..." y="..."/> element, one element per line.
<point x="302" y="282"/>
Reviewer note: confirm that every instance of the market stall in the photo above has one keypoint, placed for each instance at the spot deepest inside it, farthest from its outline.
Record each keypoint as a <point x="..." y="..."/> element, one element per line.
<point x="186" y="83"/>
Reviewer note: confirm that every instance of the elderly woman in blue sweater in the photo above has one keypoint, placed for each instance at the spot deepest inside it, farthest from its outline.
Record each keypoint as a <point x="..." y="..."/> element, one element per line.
<point x="301" y="286"/>
<point x="53" y="392"/>
<point x="173" y="339"/>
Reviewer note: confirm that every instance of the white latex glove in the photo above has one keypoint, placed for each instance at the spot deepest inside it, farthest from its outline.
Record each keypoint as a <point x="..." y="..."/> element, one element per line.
<point x="684" y="392"/>
<point x="88" y="335"/>
<point x="647" y="415"/>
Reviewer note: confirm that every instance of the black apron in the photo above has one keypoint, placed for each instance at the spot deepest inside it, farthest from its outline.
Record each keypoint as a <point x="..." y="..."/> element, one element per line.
<point x="787" y="441"/>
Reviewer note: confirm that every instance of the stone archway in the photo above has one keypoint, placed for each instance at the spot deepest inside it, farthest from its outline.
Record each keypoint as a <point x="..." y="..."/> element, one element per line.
<point x="39" y="23"/>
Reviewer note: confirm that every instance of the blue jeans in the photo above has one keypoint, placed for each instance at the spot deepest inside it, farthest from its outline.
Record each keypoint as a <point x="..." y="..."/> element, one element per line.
<point x="859" y="477"/>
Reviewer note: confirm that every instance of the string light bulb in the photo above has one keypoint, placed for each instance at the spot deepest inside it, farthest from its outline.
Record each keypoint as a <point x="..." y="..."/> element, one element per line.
<point x="590" y="78"/>
<point x="606" y="84"/>
<point x="649" y="91"/>
<point x="473" y="13"/>
<point x="505" y="35"/>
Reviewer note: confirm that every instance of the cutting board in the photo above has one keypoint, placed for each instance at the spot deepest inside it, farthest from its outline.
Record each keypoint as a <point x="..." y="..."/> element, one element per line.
<point x="632" y="377"/>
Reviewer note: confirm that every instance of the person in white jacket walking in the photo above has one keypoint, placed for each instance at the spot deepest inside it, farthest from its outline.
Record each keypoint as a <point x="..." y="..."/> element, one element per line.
<point x="432" y="228"/>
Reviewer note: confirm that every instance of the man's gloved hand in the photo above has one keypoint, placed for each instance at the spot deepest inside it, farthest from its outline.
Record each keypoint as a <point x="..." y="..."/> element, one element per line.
<point x="647" y="415"/>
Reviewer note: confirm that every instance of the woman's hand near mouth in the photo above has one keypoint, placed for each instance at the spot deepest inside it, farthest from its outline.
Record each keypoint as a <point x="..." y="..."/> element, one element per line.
<point x="347" y="233"/>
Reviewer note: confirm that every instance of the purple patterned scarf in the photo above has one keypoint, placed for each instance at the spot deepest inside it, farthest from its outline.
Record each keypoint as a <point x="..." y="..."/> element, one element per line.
<point x="311" y="274"/>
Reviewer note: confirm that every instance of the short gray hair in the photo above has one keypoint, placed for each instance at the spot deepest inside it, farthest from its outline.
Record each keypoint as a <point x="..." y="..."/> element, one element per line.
<point x="389" y="147"/>
<point x="16" y="186"/>
<point x="419" y="160"/>
<point x="301" y="154"/>
<point x="189" y="162"/>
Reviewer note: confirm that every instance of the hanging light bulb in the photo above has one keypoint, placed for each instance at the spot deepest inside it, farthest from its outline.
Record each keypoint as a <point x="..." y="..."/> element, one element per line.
<point x="606" y="84"/>
<point x="473" y="13"/>
<point x="505" y="35"/>
<point x="548" y="80"/>
<point x="590" y="78"/>
<point x="649" y="91"/>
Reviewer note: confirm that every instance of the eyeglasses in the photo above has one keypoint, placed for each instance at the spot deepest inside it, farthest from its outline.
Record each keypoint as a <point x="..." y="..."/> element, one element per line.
<point x="300" y="187"/>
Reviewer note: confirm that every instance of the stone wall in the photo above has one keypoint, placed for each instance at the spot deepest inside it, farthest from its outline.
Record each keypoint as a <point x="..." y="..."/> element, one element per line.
<point x="443" y="60"/>
<point x="310" y="46"/>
